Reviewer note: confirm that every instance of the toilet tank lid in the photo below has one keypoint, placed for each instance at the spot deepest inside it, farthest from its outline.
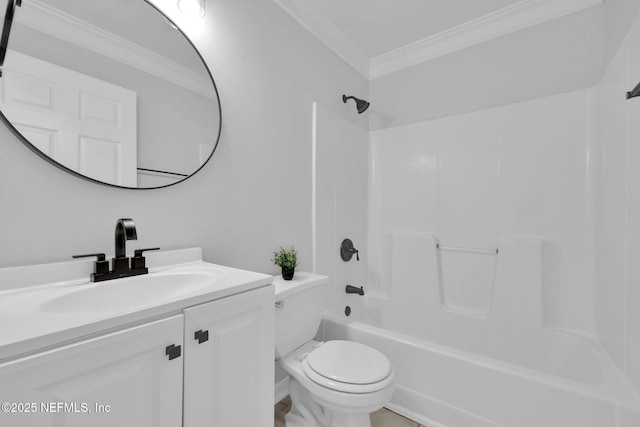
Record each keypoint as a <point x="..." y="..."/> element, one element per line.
<point x="301" y="281"/>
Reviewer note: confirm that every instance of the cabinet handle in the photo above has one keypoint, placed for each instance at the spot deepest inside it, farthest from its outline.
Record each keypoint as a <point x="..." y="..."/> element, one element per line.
<point x="173" y="351"/>
<point x="201" y="336"/>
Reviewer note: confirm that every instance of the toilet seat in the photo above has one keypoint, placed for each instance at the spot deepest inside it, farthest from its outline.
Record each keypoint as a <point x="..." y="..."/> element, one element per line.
<point x="348" y="366"/>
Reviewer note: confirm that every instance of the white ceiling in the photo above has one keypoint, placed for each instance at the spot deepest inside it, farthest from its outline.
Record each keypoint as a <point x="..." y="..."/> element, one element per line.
<point x="377" y="27"/>
<point x="378" y="37"/>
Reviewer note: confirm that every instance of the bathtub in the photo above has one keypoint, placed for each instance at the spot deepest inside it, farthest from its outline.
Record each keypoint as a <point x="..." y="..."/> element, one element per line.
<point x="469" y="334"/>
<point x="440" y="386"/>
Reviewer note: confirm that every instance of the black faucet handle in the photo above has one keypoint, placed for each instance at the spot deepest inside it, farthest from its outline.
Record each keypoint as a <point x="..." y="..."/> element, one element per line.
<point x="138" y="261"/>
<point x="101" y="257"/>
<point x="347" y="250"/>
<point x="138" y="252"/>
<point x="101" y="266"/>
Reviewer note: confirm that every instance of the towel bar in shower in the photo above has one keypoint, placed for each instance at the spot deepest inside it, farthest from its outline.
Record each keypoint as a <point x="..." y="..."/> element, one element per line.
<point x="468" y="250"/>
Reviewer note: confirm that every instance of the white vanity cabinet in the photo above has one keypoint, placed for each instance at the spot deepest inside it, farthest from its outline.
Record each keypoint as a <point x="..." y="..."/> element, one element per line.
<point x="229" y="348"/>
<point x="210" y="366"/>
<point x="123" y="378"/>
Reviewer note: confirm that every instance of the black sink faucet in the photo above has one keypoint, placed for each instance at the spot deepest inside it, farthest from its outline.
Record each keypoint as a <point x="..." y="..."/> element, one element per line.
<point x="125" y="230"/>
<point x="122" y="266"/>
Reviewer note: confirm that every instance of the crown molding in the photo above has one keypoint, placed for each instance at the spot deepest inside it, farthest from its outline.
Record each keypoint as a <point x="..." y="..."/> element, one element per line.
<point x="523" y="14"/>
<point x="310" y="17"/>
<point x="55" y="23"/>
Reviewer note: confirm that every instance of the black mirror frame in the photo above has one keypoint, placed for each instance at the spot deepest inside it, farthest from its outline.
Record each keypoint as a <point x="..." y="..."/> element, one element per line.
<point x="4" y="41"/>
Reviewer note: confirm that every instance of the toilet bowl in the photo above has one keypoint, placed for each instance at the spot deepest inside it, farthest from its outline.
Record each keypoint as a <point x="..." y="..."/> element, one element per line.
<point x="334" y="383"/>
<point x="340" y="391"/>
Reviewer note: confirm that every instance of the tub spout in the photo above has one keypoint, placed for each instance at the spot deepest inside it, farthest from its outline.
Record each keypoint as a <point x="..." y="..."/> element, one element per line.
<point x="354" y="290"/>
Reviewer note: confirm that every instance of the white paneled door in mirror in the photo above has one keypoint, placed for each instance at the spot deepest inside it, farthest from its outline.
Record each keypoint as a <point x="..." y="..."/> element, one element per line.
<point x="86" y="124"/>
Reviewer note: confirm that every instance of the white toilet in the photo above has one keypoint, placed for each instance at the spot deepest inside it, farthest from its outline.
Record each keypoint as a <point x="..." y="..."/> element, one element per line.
<point x="333" y="383"/>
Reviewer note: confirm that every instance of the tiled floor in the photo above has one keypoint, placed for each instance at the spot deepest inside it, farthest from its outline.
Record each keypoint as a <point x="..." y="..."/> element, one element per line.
<point x="381" y="418"/>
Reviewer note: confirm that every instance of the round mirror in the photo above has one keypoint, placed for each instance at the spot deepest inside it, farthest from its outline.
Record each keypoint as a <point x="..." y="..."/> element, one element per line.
<point x="110" y="91"/>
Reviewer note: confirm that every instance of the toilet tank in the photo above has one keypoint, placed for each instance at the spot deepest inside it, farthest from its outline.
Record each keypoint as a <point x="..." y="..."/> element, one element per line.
<point x="300" y="303"/>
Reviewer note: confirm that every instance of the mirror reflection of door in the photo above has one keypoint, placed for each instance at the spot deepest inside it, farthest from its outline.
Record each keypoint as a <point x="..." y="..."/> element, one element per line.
<point x="83" y="123"/>
<point x="176" y="116"/>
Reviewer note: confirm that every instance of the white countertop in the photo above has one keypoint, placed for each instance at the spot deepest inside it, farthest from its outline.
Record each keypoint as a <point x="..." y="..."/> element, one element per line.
<point x="26" y="328"/>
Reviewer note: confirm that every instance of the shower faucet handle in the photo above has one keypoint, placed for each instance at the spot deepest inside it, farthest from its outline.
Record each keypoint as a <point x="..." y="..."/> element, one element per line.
<point x="347" y="251"/>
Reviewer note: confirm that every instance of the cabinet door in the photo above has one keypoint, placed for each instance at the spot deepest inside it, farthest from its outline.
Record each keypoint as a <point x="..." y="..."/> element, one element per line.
<point x="229" y="376"/>
<point x="122" y="379"/>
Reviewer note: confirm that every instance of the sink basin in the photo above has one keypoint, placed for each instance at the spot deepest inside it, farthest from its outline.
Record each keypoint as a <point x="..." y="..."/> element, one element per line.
<point x="132" y="292"/>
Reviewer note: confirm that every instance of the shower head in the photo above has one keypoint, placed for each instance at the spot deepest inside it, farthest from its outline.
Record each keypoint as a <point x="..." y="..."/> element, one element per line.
<point x="361" y="104"/>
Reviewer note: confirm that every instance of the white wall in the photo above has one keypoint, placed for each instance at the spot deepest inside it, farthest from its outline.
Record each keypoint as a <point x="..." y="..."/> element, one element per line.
<point x="559" y="56"/>
<point x="254" y="195"/>
<point x="618" y="17"/>
<point x="617" y="308"/>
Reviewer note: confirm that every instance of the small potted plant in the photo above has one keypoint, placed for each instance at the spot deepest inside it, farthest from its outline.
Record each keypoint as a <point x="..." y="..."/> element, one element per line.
<point x="287" y="260"/>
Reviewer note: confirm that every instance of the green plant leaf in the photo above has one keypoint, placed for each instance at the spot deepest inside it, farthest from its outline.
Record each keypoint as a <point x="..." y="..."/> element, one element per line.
<point x="285" y="258"/>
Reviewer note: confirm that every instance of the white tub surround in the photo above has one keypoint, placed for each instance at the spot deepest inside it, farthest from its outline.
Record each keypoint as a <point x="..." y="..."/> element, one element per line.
<point x="522" y="170"/>
<point x="190" y="340"/>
